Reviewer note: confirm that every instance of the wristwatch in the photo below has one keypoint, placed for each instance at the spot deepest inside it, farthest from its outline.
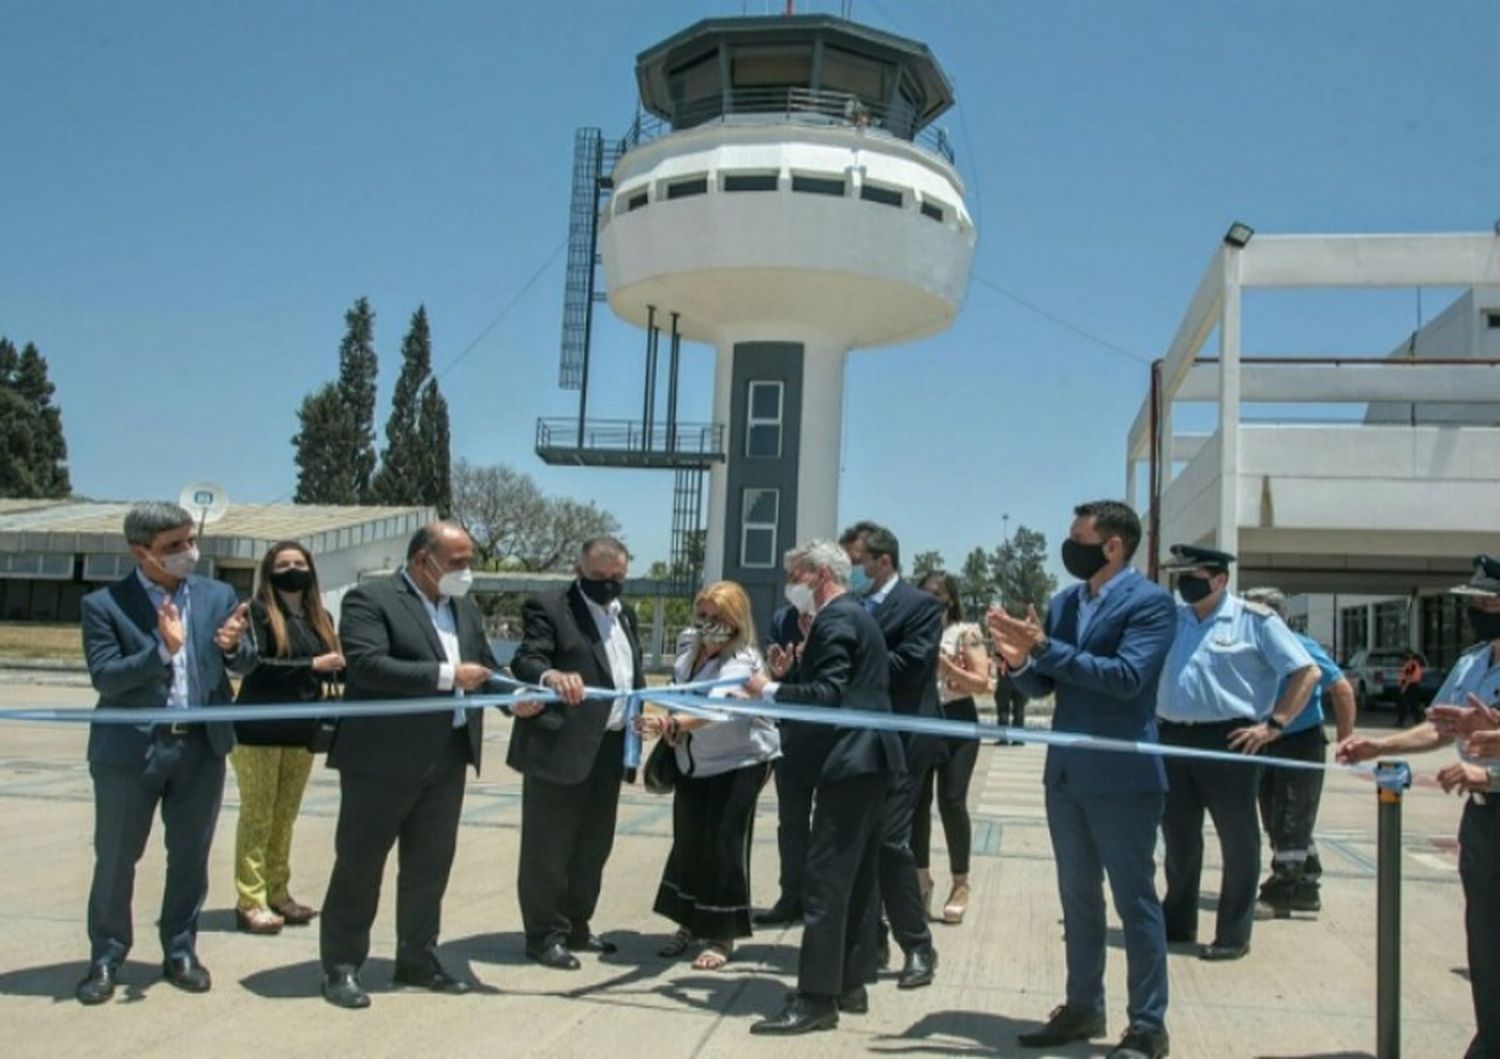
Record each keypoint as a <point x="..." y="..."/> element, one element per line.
<point x="1038" y="647"/>
<point x="1274" y="723"/>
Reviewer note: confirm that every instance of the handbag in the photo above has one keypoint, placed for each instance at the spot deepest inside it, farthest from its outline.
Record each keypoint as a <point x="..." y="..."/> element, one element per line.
<point x="661" y="773"/>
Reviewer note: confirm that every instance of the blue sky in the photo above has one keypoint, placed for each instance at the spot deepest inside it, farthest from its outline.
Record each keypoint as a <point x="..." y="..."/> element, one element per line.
<point x="191" y="195"/>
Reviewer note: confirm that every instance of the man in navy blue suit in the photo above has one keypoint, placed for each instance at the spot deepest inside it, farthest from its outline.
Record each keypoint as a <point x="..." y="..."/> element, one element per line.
<point x="1100" y="654"/>
<point x="160" y="638"/>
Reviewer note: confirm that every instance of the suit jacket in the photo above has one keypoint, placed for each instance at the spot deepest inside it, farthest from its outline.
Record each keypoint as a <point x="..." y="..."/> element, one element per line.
<point x="1105" y="685"/>
<point x="392" y="651"/>
<point x="912" y="623"/>
<point x="844" y="665"/>
<point x="559" y="744"/>
<point x="121" y="644"/>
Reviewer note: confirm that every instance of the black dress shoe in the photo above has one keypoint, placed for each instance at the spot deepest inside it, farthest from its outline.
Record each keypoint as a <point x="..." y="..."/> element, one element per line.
<point x="1142" y="1042"/>
<point x="855" y="1001"/>
<point x="801" y="1015"/>
<point x="1218" y="953"/>
<point x="186" y="973"/>
<point x="1181" y="937"/>
<point x="592" y="943"/>
<point x="99" y="985"/>
<point x="920" y="963"/>
<point x="431" y="977"/>
<point x="1065" y="1024"/>
<point x="554" y="954"/>
<point x="341" y="988"/>
<point x="782" y="913"/>
<point x="883" y="954"/>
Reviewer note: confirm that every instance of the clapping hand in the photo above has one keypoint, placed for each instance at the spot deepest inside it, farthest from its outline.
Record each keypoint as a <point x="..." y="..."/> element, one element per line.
<point x="1461" y="777"/>
<point x="779" y="660"/>
<point x="169" y="626"/>
<point x="1459" y="722"/>
<point x="228" y="636"/>
<point x="332" y="662"/>
<point x="1015" y="637"/>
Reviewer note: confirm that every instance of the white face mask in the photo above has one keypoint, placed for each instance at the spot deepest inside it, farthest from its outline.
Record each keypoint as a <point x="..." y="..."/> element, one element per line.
<point x="800" y="596"/>
<point x="453" y="583"/>
<point x="178" y="564"/>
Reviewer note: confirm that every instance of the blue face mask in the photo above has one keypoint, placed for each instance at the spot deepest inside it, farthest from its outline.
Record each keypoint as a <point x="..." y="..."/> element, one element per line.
<point x="859" y="581"/>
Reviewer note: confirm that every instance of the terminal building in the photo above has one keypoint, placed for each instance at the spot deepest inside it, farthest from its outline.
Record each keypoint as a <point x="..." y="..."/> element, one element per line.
<point x="1370" y="508"/>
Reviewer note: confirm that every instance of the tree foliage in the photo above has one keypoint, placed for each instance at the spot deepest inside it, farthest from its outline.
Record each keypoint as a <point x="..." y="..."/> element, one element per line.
<point x="925" y="563"/>
<point x="33" y="451"/>
<point x="515" y="526"/>
<point x="336" y="441"/>
<point x="1018" y="570"/>
<point x="414" y="466"/>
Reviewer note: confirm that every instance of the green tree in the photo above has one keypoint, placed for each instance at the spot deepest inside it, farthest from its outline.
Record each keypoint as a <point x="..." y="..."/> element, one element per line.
<point x="31" y="434"/>
<point x="1018" y="569"/>
<point x="335" y="450"/>
<point x="404" y="465"/>
<point x="975" y="586"/>
<point x="433" y="447"/>
<point x="926" y="563"/>
<point x="514" y="526"/>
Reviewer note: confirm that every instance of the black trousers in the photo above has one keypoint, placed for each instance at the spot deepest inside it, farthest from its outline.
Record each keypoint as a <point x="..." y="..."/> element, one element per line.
<point x="1228" y="791"/>
<point x="567" y="832"/>
<point x="1289" y="801"/>
<point x="184" y="776"/>
<point x="794" y="806"/>
<point x="376" y="812"/>
<point x="900" y="890"/>
<point x="1479" y="870"/>
<point x="840" y="898"/>
<point x="950" y="780"/>
<point x="705" y="887"/>
<point x="1010" y="704"/>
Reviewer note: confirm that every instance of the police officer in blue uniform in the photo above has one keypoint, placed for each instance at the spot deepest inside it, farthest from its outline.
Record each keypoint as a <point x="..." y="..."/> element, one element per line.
<point x="1218" y="691"/>
<point x="1467" y="708"/>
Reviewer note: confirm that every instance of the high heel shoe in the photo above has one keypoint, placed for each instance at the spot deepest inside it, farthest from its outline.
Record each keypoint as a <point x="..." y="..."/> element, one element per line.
<point x="924" y="883"/>
<point x="958" y="900"/>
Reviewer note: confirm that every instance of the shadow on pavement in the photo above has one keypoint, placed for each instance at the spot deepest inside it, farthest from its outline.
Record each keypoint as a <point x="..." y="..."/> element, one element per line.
<point x="971" y="1033"/>
<point x="59" y="980"/>
<point x="299" y="981"/>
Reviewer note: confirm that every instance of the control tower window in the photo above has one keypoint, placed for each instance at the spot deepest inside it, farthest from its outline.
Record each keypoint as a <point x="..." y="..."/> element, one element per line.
<point x="818" y="185"/>
<point x="759" y="513"/>
<point x="883" y="195"/>
<point x="763" y="424"/>
<point x="681" y="189"/>
<point x="696" y="79"/>
<point x="750" y="181"/>
<point x="865" y="78"/>
<point x="760" y="67"/>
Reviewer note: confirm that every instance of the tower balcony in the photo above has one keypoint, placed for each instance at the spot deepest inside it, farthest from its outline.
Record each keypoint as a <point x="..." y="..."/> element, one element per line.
<point x="629" y="443"/>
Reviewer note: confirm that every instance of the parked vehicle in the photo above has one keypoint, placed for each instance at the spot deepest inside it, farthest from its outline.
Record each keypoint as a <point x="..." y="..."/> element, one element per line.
<point x="1375" y="675"/>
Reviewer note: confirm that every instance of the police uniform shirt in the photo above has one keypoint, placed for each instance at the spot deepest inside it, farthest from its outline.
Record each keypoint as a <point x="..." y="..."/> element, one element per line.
<point x="1329" y="674"/>
<point x="1229" y="666"/>
<point x="1475" y="673"/>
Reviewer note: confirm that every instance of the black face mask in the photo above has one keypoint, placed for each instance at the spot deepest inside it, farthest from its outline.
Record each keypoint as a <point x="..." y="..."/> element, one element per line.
<point x="292" y="579"/>
<point x="1194" y="589"/>
<point x="1083" y="561"/>
<point x="602" y="590"/>
<point x="1486" y="625"/>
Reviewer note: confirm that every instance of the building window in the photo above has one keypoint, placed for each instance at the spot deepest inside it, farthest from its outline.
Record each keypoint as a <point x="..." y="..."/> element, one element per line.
<point x="750" y="181"/>
<point x="681" y="189"/>
<point x="1392" y="624"/>
<point x="634" y="200"/>
<point x="763" y="420"/>
<point x="884" y="196"/>
<point x="819" y="185"/>
<point x="1445" y="629"/>
<point x="1355" y="622"/>
<point x="758" y="528"/>
<point x="1492" y="321"/>
<point x="933" y="211"/>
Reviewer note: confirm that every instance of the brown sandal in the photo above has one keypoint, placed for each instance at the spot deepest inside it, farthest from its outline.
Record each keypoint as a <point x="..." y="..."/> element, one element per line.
<point x="678" y="944"/>
<point x="258" y="921"/>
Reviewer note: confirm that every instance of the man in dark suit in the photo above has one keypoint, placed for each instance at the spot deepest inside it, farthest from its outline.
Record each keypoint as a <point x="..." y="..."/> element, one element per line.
<point x="843" y="665"/>
<point x="1100" y="654"/>
<point x="160" y="638"/>
<point x="911" y="621"/>
<point x="794" y="794"/>
<point x="572" y="754"/>
<point x="401" y="777"/>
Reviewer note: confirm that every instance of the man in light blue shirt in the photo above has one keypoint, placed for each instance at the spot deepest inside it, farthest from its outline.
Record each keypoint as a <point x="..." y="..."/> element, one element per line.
<point x="1235" y="678"/>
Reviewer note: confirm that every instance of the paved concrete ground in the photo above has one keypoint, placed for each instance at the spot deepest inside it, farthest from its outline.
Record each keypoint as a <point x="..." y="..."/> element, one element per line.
<point x="1306" y="990"/>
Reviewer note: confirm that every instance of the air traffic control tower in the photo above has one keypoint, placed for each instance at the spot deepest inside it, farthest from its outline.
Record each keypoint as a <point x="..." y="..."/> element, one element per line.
<point x="785" y="198"/>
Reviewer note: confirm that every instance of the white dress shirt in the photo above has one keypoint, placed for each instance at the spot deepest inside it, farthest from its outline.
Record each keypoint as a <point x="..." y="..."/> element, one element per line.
<point x="445" y="624"/>
<point x="617" y="650"/>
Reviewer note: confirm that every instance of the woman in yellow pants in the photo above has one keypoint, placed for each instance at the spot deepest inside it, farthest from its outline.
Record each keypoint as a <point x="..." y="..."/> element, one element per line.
<point x="299" y="655"/>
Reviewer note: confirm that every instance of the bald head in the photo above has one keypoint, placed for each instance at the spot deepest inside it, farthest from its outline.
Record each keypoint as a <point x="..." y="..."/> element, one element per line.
<point x="436" y="549"/>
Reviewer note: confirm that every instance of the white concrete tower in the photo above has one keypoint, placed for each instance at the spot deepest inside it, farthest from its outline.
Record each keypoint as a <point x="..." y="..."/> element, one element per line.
<point x="786" y="197"/>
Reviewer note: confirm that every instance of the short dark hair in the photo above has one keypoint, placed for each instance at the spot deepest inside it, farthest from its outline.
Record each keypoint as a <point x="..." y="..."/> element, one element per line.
<point x="421" y="541"/>
<point x="880" y="541"/>
<point x="1113" y="518"/>
<point x="949" y="584"/>
<point x="857" y="531"/>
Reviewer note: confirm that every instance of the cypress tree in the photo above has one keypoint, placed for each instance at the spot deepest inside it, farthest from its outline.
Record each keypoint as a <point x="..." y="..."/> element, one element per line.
<point x="356" y="386"/>
<point x="33" y="452"/>
<point x="335" y="447"/>
<point x="403" y="464"/>
<point x="435" y="449"/>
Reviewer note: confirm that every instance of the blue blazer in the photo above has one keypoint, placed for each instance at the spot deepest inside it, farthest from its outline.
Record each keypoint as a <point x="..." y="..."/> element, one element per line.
<point x="1105" y="686"/>
<point x="120" y="644"/>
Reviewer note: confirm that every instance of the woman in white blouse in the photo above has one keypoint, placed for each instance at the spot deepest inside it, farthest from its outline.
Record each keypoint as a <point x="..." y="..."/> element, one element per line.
<point x="705" y="887"/>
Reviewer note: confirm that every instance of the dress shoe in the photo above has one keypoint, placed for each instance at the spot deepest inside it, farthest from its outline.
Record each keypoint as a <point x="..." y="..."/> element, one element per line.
<point x="920" y="963"/>
<point x="187" y="974"/>
<point x="1065" y="1024"/>
<point x="258" y="921"/>
<point x="431" y="976"/>
<point x="801" y="1015"/>
<point x="341" y="988"/>
<point x="554" y="954"/>
<point x="782" y="913"/>
<point x="855" y="1001"/>
<point x="295" y="913"/>
<point x="99" y="985"/>
<point x="592" y="943"/>
<point x="1142" y="1042"/>
<point x="1181" y="937"/>
<point x="1219" y="953"/>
